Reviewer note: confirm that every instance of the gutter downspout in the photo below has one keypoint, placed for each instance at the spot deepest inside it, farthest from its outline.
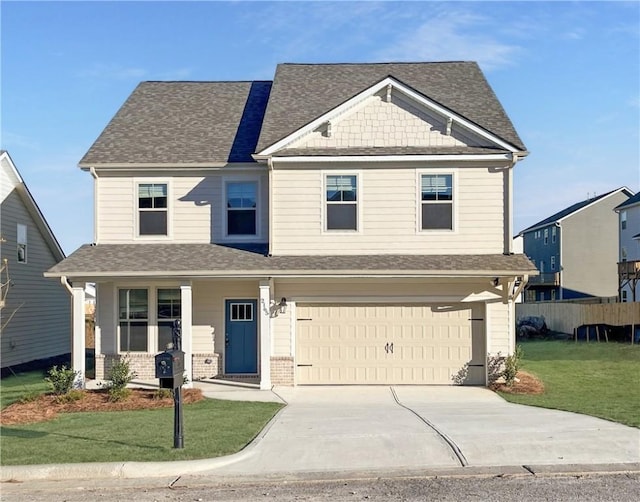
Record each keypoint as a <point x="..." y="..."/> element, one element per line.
<point x="270" y="217"/>
<point x="508" y="227"/>
<point x="94" y="174"/>
<point x="560" y="259"/>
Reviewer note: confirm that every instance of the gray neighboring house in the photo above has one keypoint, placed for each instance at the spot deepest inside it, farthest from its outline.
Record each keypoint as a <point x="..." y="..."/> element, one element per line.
<point x="629" y="247"/>
<point x="576" y="250"/>
<point x="342" y="224"/>
<point x="36" y="312"/>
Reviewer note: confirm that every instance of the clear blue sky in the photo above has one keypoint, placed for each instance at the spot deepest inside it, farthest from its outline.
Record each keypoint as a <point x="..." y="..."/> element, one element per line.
<point x="568" y="74"/>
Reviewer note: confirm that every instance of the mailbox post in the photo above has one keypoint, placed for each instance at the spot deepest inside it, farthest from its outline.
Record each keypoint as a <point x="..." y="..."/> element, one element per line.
<point x="170" y="371"/>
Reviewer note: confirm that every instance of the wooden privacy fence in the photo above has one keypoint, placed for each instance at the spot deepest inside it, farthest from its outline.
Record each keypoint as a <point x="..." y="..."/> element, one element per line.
<point x="565" y="317"/>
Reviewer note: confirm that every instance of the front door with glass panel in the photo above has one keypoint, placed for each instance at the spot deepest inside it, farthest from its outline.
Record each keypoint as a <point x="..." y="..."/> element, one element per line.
<point x="241" y="336"/>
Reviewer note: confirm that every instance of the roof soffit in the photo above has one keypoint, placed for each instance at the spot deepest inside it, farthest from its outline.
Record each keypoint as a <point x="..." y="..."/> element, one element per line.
<point x="387" y="86"/>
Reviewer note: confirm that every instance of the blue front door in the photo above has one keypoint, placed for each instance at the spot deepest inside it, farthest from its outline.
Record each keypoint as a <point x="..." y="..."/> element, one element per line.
<point x="241" y="336"/>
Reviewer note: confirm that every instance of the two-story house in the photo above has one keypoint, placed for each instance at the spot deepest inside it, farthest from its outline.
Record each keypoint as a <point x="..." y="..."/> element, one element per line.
<point x="35" y="313"/>
<point x="576" y="250"/>
<point x="629" y="249"/>
<point x="341" y="224"/>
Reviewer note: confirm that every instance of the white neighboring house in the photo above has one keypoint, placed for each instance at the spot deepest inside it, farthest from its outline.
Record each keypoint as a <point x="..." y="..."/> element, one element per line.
<point x="36" y="312"/>
<point x="629" y="247"/>
<point x="341" y="224"/>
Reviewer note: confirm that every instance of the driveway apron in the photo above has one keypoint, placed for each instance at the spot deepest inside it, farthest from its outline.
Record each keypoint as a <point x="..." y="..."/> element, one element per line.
<point x="344" y="428"/>
<point x="490" y="431"/>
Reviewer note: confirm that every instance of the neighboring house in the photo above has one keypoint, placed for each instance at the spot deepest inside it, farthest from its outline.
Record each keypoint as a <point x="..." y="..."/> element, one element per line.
<point x="629" y="249"/>
<point x="518" y="248"/>
<point x="576" y="250"/>
<point x="343" y="224"/>
<point x="35" y="315"/>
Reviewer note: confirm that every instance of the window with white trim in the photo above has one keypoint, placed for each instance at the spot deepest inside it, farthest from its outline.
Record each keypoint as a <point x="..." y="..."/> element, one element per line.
<point x="241" y="312"/>
<point x="169" y="303"/>
<point x="436" y="195"/>
<point x="553" y="263"/>
<point x="133" y="315"/>
<point x="152" y="209"/>
<point x="553" y="294"/>
<point x="542" y="266"/>
<point x="21" y="239"/>
<point x="624" y="295"/>
<point x="242" y="208"/>
<point x="341" y="202"/>
<point x="546" y="236"/>
<point x="623" y="220"/>
<point x="553" y="234"/>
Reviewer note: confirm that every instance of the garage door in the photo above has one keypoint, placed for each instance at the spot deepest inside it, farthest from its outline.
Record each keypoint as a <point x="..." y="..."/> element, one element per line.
<point x="389" y="344"/>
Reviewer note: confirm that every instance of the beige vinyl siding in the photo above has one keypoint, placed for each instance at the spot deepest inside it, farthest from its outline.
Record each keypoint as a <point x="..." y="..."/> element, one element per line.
<point x="389" y="207"/>
<point x="196" y="209"/>
<point x="41" y="325"/>
<point x="589" y="248"/>
<point x="499" y="332"/>
<point x="107" y="317"/>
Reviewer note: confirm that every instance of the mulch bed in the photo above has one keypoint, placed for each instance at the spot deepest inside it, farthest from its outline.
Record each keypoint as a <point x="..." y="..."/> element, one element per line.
<point x="48" y="406"/>
<point x="526" y="384"/>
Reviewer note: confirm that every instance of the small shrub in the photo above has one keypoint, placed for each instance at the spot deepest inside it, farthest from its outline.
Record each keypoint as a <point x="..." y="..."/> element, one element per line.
<point x="511" y="366"/>
<point x="119" y="377"/>
<point x="162" y="394"/>
<point x="494" y="368"/>
<point x="70" y="397"/>
<point x="460" y="377"/>
<point x="61" y="380"/>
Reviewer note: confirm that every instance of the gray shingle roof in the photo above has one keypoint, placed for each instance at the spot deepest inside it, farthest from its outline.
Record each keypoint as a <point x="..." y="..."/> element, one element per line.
<point x="303" y="92"/>
<point x="629" y="202"/>
<point x="219" y="260"/>
<point x="184" y="122"/>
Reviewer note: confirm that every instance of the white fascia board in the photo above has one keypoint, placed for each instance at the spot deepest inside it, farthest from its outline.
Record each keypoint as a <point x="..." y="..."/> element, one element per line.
<point x="159" y="167"/>
<point x="393" y="158"/>
<point x="559" y="220"/>
<point x="370" y="92"/>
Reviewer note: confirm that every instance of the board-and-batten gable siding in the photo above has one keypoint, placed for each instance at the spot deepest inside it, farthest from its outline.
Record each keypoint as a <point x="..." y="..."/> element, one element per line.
<point x="41" y="326"/>
<point x="389" y="203"/>
<point x="590" y="249"/>
<point x="376" y="123"/>
<point x="196" y="206"/>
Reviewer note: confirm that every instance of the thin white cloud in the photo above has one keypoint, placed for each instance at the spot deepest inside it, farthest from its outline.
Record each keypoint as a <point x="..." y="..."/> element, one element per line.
<point x="453" y="36"/>
<point x="12" y="140"/>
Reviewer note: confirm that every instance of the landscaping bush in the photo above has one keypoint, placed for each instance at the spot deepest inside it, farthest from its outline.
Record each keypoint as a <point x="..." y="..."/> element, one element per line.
<point x="119" y="377"/>
<point x="511" y="366"/>
<point x="61" y="380"/>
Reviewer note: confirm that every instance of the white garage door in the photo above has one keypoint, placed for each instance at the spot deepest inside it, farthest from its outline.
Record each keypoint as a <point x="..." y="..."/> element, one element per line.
<point x="389" y="344"/>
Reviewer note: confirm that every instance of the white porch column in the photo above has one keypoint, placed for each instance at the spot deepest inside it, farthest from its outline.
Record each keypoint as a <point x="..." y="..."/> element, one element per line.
<point x="78" y="346"/>
<point x="265" y="335"/>
<point x="187" y="340"/>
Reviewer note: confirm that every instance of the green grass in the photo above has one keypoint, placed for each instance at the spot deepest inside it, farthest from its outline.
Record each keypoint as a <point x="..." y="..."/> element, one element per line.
<point x="211" y="428"/>
<point x="15" y="387"/>
<point x="597" y="379"/>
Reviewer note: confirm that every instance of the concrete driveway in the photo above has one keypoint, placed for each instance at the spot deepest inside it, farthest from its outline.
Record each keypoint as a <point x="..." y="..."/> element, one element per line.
<point x="412" y="427"/>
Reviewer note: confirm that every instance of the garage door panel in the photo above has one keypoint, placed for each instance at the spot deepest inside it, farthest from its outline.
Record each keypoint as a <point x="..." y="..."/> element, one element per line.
<point x="383" y="343"/>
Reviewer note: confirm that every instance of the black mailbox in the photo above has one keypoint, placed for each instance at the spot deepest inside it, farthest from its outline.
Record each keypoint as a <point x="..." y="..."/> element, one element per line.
<point x="170" y="369"/>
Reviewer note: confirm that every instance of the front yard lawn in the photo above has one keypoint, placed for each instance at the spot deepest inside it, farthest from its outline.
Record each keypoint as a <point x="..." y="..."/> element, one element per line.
<point x="22" y="385"/>
<point x="597" y="379"/>
<point x="212" y="428"/>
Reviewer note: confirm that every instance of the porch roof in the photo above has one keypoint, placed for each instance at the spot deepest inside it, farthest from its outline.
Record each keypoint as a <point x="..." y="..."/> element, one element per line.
<point x="217" y="260"/>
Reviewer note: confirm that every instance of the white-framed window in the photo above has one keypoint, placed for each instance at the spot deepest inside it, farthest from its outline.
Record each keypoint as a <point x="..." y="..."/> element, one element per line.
<point x="623" y="253"/>
<point x="169" y="309"/>
<point x="133" y="317"/>
<point x="241" y="312"/>
<point x="623" y="220"/>
<point x="341" y="201"/>
<point x="546" y="236"/>
<point x="531" y="295"/>
<point x="553" y="295"/>
<point x="553" y="234"/>
<point x="542" y="266"/>
<point x="553" y="263"/>
<point x="241" y="208"/>
<point x="436" y="202"/>
<point x="153" y="204"/>
<point x="21" y="239"/>
<point x="624" y="295"/>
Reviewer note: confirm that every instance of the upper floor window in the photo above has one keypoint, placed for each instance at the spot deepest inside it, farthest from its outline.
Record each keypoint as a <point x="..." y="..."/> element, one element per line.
<point x="542" y="267"/>
<point x="553" y="234"/>
<point x="553" y="263"/>
<point x="546" y="236"/>
<point x="133" y="307"/>
<point x="242" y="208"/>
<point x="169" y="310"/>
<point x="437" y="201"/>
<point x="342" y="202"/>
<point x="624" y="295"/>
<point x="21" y="239"/>
<point x="623" y="253"/>
<point x="152" y="209"/>
<point x="623" y="220"/>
